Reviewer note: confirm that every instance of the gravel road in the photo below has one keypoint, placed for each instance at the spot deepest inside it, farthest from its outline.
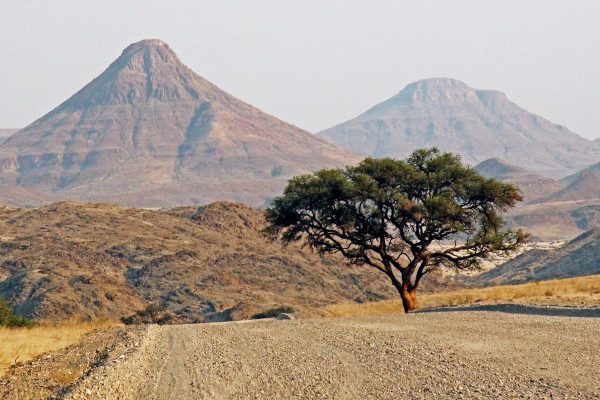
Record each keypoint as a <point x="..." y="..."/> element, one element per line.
<point x="446" y="355"/>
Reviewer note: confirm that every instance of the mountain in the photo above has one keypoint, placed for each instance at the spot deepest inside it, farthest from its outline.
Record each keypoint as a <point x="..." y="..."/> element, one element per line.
<point x="594" y="168"/>
<point x="533" y="186"/>
<point x="73" y="260"/>
<point x="555" y="220"/>
<point x="5" y="133"/>
<point x="477" y="124"/>
<point x="150" y="132"/>
<point x="584" y="185"/>
<point x="581" y="256"/>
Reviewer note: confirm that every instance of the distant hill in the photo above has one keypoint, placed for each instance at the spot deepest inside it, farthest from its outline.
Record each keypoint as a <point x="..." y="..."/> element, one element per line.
<point x="595" y="168"/>
<point x="584" y="185"/>
<point x="581" y="256"/>
<point x="533" y="186"/>
<point x="556" y="220"/>
<point x="477" y="124"/>
<point x="150" y="132"/>
<point x="551" y="209"/>
<point x="99" y="261"/>
<point x="5" y="133"/>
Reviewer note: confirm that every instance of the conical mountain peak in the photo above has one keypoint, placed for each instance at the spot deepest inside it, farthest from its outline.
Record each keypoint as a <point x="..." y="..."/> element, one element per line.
<point x="146" y="70"/>
<point x="146" y="44"/>
<point x="151" y="49"/>
<point x="149" y="131"/>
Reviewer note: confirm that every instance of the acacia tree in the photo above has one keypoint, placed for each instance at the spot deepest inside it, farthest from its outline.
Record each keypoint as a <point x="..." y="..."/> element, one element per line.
<point x="404" y="218"/>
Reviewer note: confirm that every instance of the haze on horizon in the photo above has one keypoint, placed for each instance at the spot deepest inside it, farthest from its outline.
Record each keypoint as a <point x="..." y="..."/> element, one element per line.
<point x="314" y="64"/>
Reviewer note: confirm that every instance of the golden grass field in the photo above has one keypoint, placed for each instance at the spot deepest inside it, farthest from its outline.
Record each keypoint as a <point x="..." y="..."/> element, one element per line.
<point x="582" y="291"/>
<point x="23" y="344"/>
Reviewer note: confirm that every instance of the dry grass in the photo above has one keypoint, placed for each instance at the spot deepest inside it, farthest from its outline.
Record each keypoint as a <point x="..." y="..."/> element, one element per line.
<point x="22" y="344"/>
<point x="582" y="291"/>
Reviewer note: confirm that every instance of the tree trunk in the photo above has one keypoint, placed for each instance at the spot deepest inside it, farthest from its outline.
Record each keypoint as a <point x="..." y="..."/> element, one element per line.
<point x="409" y="298"/>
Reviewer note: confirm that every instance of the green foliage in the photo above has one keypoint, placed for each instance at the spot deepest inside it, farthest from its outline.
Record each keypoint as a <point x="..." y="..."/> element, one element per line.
<point x="403" y="217"/>
<point x="273" y="312"/>
<point x="152" y="314"/>
<point x="9" y="319"/>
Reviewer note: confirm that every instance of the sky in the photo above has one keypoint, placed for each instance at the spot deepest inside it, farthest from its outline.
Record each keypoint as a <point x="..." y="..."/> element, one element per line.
<point x="314" y="63"/>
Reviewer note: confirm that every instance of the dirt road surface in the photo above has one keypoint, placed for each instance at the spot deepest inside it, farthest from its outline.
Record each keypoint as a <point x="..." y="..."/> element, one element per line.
<point x="446" y="355"/>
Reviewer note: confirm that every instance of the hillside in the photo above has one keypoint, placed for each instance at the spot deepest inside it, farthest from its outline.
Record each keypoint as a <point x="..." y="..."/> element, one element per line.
<point x="533" y="186"/>
<point x="580" y="256"/>
<point x="99" y="261"/>
<point x="477" y="124"/>
<point x="150" y="132"/>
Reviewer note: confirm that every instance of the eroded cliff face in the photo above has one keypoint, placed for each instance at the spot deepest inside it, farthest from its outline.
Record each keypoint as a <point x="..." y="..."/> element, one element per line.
<point x="150" y="132"/>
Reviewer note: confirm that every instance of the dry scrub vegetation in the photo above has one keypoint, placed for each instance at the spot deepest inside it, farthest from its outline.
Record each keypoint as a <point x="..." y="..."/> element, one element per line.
<point x="23" y="344"/>
<point x="582" y="291"/>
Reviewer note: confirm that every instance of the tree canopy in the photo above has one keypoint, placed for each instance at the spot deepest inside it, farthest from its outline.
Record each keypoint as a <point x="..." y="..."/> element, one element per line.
<point x="403" y="217"/>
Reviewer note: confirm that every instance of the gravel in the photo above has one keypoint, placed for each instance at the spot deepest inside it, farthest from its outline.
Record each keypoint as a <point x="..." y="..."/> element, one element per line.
<point x="446" y="355"/>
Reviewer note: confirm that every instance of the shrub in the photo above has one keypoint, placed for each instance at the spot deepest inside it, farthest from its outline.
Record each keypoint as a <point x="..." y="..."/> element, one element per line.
<point x="273" y="312"/>
<point x="152" y="314"/>
<point x="9" y="319"/>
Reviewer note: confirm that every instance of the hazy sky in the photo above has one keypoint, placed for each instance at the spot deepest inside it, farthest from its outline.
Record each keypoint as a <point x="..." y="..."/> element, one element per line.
<point x="314" y="63"/>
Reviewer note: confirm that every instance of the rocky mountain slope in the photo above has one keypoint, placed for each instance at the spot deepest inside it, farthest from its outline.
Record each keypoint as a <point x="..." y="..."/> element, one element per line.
<point x="533" y="186"/>
<point x="150" y="132"/>
<point x="478" y="124"/>
<point x="581" y="256"/>
<point x="99" y="261"/>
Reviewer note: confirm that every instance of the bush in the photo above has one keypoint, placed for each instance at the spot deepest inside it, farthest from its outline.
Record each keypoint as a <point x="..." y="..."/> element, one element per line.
<point x="9" y="319"/>
<point x="153" y="314"/>
<point x="273" y="312"/>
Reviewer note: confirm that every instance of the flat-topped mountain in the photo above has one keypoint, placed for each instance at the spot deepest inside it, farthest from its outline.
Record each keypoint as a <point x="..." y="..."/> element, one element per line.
<point x="533" y="186"/>
<point x="477" y="124"/>
<point x="150" y="132"/>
